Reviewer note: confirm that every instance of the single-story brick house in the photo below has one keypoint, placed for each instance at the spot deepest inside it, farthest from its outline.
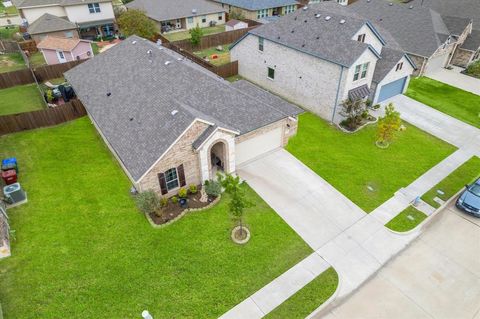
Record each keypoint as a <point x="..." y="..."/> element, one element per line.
<point x="171" y="123"/>
<point x="57" y="50"/>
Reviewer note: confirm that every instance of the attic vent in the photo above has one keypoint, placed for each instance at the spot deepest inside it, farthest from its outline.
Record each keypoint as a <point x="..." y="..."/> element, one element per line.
<point x="293" y="31"/>
<point x="303" y="45"/>
<point x="390" y="4"/>
<point x="327" y="18"/>
<point x="179" y="59"/>
<point x="168" y="62"/>
<point x="368" y="1"/>
<point x="174" y="112"/>
<point x="342" y="21"/>
<point x="305" y="8"/>
<point x="295" y="18"/>
<point x="108" y="94"/>
<point x="318" y="37"/>
<point x="194" y="11"/>
<point x="317" y="15"/>
<point x="278" y="38"/>
<point x="149" y="52"/>
<point x="133" y="42"/>
<point x="411" y="7"/>
<point x="305" y="21"/>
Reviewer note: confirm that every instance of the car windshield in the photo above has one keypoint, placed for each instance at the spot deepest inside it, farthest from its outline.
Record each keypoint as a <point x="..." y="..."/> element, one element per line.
<point x="475" y="189"/>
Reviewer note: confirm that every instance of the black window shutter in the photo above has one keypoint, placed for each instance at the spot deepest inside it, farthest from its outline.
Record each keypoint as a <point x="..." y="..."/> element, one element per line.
<point x="181" y="175"/>
<point x="163" y="184"/>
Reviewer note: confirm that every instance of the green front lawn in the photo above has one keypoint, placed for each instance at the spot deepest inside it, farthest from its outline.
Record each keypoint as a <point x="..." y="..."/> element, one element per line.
<point x="309" y="298"/>
<point x="450" y="100"/>
<point x="407" y="220"/>
<point x="82" y="249"/>
<point x="19" y="99"/>
<point x="11" y="62"/>
<point x="352" y="163"/>
<point x="223" y="57"/>
<point x="182" y="35"/>
<point x="465" y="174"/>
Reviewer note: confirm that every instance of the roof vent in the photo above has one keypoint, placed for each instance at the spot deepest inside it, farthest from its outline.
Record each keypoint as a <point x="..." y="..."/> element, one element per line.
<point x="318" y="37"/>
<point x="317" y="15"/>
<point x="278" y="38"/>
<point x="133" y="42"/>
<point x="149" y="52"/>
<point x="305" y="8"/>
<point x="327" y="18"/>
<point x="342" y="21"/>
<point x="108" y="94"/>
<point x="295" y="18"/>
<point x="411" y="7"/>
<point x="174" y="112"/>
<point x="168" y="62"/>
<point x="303" y="45"/>
<point x="368" y="1"/>
<point x="305" y="21"/>
<point x="390" y="4"/>
<point x="194" y="11"/>
<point x="179" y="59"/>
<point x="131" y="119"/>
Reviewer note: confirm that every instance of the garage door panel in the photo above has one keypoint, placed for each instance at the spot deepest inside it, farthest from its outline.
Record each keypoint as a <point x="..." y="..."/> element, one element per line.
<point x="391" y="89"/>
<point x="258" y="145"/>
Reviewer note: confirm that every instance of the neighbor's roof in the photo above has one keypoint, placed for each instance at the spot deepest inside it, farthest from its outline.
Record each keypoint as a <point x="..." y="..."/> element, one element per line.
<point x="472" y="42"/>
<point x="456" y="25"/>
<point x="390" y="58"/>
<point x="39" y="3"/>
<point x="49" y="23"/>
<point x="174" y="9"/>
<point x="136" y="117"/>
<point x="233" y="22"/>
<point x="329" y="40"/>
<point x="57" y="43"/>
<point x="253" y="5"/>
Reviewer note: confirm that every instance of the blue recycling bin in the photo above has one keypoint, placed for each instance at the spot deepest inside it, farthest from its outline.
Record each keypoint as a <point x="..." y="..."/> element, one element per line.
<point x="9" y="163"/>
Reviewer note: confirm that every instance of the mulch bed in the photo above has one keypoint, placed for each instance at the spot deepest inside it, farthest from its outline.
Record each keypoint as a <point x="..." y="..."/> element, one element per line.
<point x="172" y="211"/>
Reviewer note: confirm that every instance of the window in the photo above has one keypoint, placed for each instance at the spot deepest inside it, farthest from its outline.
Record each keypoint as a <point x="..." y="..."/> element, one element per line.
<point x="262" y="13"/>
<point x="171" y="179"/>
<point x="190" y="19"/>
<point x="61" y="55"/>
<point x="68" y="34"/>
<point x="220" y="17"/>
<point x="290" y="8"/>
<point x="399" y="66"/>
<point x="271" y="73"/>
<point x="361" y="38"/>
<point x="94" y="7"/>
<point x="204" y="19"/>
<point x="260" y="44"/>
<point x="361" y="71"/>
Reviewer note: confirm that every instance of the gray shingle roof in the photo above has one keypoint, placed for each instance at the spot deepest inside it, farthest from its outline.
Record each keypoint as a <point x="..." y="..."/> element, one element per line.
<point x="49" y="23"/>
<point x="174" y="9"/>
<point x="204" y="136"/>
<point x="37" y="3"/>
<point x="329" y="40"/>
<point x="390" y="58"/>
<point x="136" y="118"/>
<point x="253" y="5"/>
<point x="472" y="42"/>
<point x="456" y="25"/>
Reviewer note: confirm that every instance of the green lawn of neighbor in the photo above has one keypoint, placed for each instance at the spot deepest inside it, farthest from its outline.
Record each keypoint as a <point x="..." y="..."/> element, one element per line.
<point x="402" y="222"/>
<point x="450" y="100"/>
<point x="37" y="59"/>
<point x="182" y="35"/>
<point x="223" y="56"/>
<point x="11" y="62"/>
<point x="83" y="250"/>
<point x="307" y="299"/>
<point x="352" y="162"/>
<point x="19" y="99"/>
<point x="12" y="10"/>
<point x="465" y="174"/>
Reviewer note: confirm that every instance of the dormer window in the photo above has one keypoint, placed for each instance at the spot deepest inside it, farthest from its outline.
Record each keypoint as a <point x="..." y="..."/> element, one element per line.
<point x="361" y="37"/>
<point x="399" y="66"/>
<point x="94" y="8"/>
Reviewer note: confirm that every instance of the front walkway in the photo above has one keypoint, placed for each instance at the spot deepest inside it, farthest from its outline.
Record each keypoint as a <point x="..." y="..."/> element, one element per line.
<point x="457" y="79"/>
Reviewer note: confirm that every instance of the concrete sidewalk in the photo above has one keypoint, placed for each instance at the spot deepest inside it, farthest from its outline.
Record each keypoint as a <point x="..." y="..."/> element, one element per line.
<point x="457" y="79"/>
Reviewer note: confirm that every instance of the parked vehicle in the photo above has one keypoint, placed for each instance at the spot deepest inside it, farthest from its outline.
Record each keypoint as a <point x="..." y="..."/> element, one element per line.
<point x="469" y="200"/>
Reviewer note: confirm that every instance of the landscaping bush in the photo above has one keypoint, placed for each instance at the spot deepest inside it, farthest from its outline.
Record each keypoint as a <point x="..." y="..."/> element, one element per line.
<point x="196" y="35"/>
<point x="163" y="201"/>
<point x="174" y="199"/>
<point x="148" y="202"/>
<point x="192" y="188"/>
<point x="182" y="192"/>
<point x="474" y="69"/>
<point x="213" y="188"/>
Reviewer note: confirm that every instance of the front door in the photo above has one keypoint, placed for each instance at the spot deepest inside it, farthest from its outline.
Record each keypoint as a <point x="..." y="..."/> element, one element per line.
<point x="61" y="57"/>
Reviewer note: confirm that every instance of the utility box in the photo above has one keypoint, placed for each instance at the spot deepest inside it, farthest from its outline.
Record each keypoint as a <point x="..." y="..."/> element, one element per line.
<point x="9" y="163"/>
<point x="14" y="193"/>
<point x="9" y="177"/>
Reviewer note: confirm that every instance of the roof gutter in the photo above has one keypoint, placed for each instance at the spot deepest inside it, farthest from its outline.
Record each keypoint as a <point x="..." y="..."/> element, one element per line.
<point x="338" y="93"/>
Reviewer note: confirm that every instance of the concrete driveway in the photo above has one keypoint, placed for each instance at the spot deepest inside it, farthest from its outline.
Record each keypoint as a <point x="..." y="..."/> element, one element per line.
<point x="311" y="206"/>
<point x="457" y="79"/>
<point x="438" y="276"/>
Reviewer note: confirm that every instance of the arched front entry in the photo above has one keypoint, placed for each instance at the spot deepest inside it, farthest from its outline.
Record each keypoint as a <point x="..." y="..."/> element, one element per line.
<point x="218" y="158"/>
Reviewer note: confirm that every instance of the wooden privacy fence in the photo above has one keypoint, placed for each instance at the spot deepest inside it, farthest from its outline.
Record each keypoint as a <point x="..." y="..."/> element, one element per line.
<point x="29" y="46"/>
<point x="43" y="118"/>
<point x="9" y="47"/>
<point x="41" y="73"/>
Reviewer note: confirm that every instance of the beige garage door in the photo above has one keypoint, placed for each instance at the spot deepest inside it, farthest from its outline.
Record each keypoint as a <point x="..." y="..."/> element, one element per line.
<point x="258" y="145"/>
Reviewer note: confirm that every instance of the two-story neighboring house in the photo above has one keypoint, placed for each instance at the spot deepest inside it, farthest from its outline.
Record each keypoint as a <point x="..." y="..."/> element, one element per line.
<point x="259" y="9"/>
<point x="318" y="58"/>
<point x="92" y="17"/>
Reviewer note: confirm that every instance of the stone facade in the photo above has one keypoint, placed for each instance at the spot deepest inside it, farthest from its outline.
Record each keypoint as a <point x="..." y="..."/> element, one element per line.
<point x="462" y="57"/>
<point x="419" y="62"/>
<point x="228" y="140"/>
<point x="182" y="152"/>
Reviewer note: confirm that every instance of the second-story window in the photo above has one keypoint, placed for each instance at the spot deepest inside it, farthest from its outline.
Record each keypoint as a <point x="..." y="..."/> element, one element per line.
<point x="262" y="13"/>
<point x="361" y="37"/>
<point x="94" y="8"/>
<point x="260" y="44"/>
<point x="361" y="71"/>
<point x="399" y="66"/>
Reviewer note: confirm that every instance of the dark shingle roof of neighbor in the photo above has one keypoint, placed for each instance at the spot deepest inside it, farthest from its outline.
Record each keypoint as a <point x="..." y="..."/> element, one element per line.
<point x="329" y="40"/>
<point x="390" y="58"/>
<point x="258" y="4"/>
<point x="456" y="25"/>
<point x="174" y="9"/>
<point x="472" y="42"/>
<point x="37" y="3"/>
<point x="50" y="23"/>
<point x="136" y="118"/>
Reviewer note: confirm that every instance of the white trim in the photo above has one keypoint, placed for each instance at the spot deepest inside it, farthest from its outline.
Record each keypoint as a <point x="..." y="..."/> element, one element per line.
<point x="58" y="56"/>
<point x="217" y="129"/>
<point x="44" y="57"/>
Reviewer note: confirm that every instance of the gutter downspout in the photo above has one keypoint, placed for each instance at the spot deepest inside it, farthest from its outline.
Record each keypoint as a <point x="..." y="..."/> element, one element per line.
<point x="338" y="93"/>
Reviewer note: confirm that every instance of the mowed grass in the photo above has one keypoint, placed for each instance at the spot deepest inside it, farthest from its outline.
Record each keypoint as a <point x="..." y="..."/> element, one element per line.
<point x="37" y="59"/>
<point x="406" y="220"/>
<point x="307" y="299"/>
<point x="11" y="62"/>
<point x="83" y="250"/>
<point x="465" y="174"/>
<point x="182" y="35"/>
<point x="352" y="162"/>
<point x="21" y="98"/>
<point x="450" y="100"/>
<point x="223" y="57"/>
<point x="6" y="33"/>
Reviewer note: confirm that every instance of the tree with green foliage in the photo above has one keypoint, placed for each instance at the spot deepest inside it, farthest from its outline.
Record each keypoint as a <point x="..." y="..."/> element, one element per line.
<point x="136" y="22"/>
<point x="196" y="35"/>
<point x="238" y="202"/>
<point x="388" y="125"/>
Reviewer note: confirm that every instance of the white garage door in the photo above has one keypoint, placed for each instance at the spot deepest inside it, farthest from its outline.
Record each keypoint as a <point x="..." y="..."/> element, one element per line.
<point x="436" y="63"/>
<point x="258" y="145"/>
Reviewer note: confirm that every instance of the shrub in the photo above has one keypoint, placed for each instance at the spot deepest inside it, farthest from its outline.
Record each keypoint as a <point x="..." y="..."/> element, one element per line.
<point x="192" y="188"/>
<point x="365" y="114"/>
<point x="213" y="188"/>
<point x="376" y="106"/>
<point x="148" y="202"/>
<point x="195" y="35"/>
<point x="163" y="201"/>
<point x="368" y="102"/>
<point x="174" y="199"/>
<point x="182" y="192"/>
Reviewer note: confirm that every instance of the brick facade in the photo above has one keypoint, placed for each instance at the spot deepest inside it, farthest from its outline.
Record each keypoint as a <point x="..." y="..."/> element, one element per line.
<point x="462" y="57"/>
